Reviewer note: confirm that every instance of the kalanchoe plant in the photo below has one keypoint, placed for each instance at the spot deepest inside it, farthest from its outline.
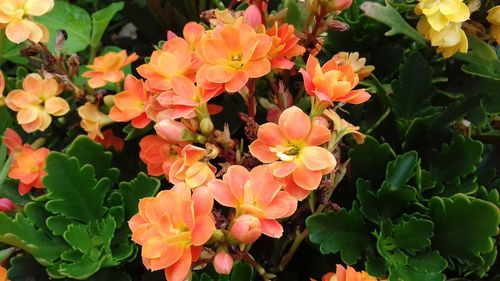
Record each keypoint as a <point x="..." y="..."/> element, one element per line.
<point x="258" y="140"/>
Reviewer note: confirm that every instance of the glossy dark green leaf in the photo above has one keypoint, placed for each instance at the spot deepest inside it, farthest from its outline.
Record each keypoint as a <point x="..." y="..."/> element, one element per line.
<point x="90" y="152"/>
<point x="101" y="20"/>
<point x="25" y="268"/>
<point x="140" y="187"/>
<point x="378" y="155"/>
<point x="241" y="272"/>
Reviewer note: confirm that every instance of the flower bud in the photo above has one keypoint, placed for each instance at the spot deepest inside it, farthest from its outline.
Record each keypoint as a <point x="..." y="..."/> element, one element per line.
<point x="340" y="5"/>
<point x="171" y="130"/>
<point x="223" y="262"/>
<point x="109" y="100"/>
<point x="6" y="205"/>
<point x="206" y="126"/>
<point x="252" y="16"/>
<point x="246" y="229"/>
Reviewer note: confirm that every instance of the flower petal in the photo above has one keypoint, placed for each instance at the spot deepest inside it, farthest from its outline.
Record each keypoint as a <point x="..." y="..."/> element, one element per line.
<point x="294" y="124"/>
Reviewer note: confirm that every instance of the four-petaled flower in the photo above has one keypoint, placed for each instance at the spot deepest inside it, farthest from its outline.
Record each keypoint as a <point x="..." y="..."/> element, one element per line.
<point x="130" y="105"/>
<point x="108" y="68"/>
<point x="16" y="16"/>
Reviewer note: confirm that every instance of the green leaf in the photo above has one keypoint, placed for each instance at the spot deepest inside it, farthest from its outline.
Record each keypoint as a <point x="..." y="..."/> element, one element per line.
<point x="456" y="160"/>
<point x="481" y="59"/>
<point x="81" y="269"/>
<point x="90" y="152"/>
<point x="400" y="171"/>
<point x="25" y="268"/>
<point x="378" y="155"/>
<point x="241" y="272"/>
<point x="74" y="20"/>
<point x="413" y="234"/>
<point x="345" y="232"/>
<point x="295" y="13"/>
<point x="101" y="20"/>
<point x="464" y="228"/>
<point x="140" y="187"/>
<point x="413" y="89"/>
<point x="21" y="233"/>
<point x="58" y="224"/>
<point x="73" y="190"/>
<point x="391" y="17"/>
<point x="133" y="132"/>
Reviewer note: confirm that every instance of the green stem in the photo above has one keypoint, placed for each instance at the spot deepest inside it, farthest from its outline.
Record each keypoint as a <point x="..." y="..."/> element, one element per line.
<point x="2" y="44"/>
<point x="295" y="245"/>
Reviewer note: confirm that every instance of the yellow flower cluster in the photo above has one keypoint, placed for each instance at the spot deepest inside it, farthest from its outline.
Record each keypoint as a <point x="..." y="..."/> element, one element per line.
<point x="442" y="24"/>
<point x="494" y="18"/>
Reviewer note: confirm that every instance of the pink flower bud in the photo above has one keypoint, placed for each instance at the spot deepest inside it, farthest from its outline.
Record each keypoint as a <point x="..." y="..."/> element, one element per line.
<point x="252" y="16"/>
<point x="223" y="262"/>
<point x="6" y="205"/>
<point x="340" y="5"/>
<point x="171" y="130"/>
<point x="246" y="229"/>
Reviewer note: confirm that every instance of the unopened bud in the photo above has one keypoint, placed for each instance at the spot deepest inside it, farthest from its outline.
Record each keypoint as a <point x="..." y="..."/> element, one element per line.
<point x="206" y="126"/>
<point x="340" y="5"/>
<point x="2" y="101"/>
<point x="252" y="16"/>
<point x="223" y="262"/>
<point x="337" y="25"/>
<point x="109" y="100"/>
<point x="6" y="205"/>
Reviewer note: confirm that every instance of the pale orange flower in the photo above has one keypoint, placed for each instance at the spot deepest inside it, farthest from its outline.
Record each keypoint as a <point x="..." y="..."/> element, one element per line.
<point x="16" y="16"/>
<point x="332" y="83"/>
<point x="158" y="154"/>
<point x="172" y="228"/>
<point x="108" y="68"/>
<point x="232" y="54"/>
<point x="3" y="274"/>
<point x="357" y="64"/>
<point x="130" y="105"/>
<point x="258" y="200"/>
<point x="28" y="163"/>
<point x="175" y="59"/>
<point x="348" y="274"/>
<point x="93" y="120"/>
<point x="36" y="102"/>
<point x="341" y="127"/>
<point x="110" y="140"/>
<point x="285" y="46"/>
<point x="193" y="167"/>
<point x="192" y="33"/>
<point x="185" y="99"/>
<point x="292" y="146"/>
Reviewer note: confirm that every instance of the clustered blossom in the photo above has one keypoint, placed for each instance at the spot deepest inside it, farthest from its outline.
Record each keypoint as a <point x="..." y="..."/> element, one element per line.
<point x="16" y="17"/>
<point x="441" y="24"/>
<point x="349" y="274"/>
<point x="108" y="68"/>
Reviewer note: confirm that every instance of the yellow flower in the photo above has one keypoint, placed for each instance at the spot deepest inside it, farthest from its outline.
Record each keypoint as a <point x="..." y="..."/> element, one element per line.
<point x="357" y="64"/>
<point x="37" y="102"/>
<point x="93" y="120"/>
<point x="440" y="13"/>
<point x="494" y="18"/>
<point x="16" y="16"/>
<point x="449" y="40"/>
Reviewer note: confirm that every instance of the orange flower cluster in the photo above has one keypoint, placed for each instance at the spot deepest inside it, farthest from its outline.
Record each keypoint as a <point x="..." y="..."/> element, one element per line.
<point x="349" y="274"/>
<point x="28" y="163"/>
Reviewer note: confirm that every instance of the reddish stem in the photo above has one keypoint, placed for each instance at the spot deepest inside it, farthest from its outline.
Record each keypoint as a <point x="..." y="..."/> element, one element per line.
<point x="251" y="98"/>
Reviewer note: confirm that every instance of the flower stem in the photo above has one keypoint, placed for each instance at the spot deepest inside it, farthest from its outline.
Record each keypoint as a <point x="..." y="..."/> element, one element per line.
<point x="295" y="245"/>
<point x="250" y="260"/>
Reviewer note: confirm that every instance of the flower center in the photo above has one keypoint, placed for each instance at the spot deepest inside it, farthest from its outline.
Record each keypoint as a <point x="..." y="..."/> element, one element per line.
<point x="285" y="153"/>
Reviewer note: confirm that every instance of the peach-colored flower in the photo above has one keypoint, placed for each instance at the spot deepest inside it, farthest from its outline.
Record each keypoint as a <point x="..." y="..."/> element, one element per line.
<point x="110" y="140"/>
<point x="342" y="128"/>
<point x="193" y="167"/>
<point x="108" y="68"/>
<point x="131" y="103"/>
<point x="357" y="64"/>
<point x="285" y="46"/>
<point x="172" y="130"/>
<point x="232" y="54"/>
<point x="348" y="274"/>
<point x="175" y="59"/>
<point x="292" y="146"/>
<point x="223" y="262"/>
<point x="93" y="120"/>
<point x="172" y="228"/>
<point x="332" y="83"/>
<point x="16" y="16"/>
<point x="158" y="154"/>
<point x="192" y="33"/>
<point x="258" y="201"/>
<point x="28" y="163"/>
<point x="36" y="102"/>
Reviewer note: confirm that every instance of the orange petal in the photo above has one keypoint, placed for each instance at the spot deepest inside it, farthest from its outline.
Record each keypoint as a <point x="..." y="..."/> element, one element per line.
<point x="262" y="151"/>
<point x="306" y="178"/>
<point x="203" y="229"/>
<point x="283" y="169"/>
<point x="222" y="193"/>
<point x="270" y="134"/>
<point x="180" y="270"/>
<point x="18" y="30"/>
<point x="237" y="82"/>
<point x="293" y="189"/>
<point x="271" y="228"/>
<point x="236" y="177"/>
<point x="294" y="124"/>
<point x="56" y="106"/>
<point x="258" y="68"/>
<point x="316" y="158"/>
<point x="220" y="74"/>
<point x="319" y="135"/>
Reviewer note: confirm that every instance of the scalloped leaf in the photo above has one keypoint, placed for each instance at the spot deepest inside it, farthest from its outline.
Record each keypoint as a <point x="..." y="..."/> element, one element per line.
<point x="413" y="234"/>
<point x="140" y="187"/>
<point x="24" y="268"/>
<point x="413" y="89"/>
<point x="464" y="228"/>
<point x="378" y="155"/>
<point x="73" y="190"/>
<point x="345" y="232"/>
<point x="456" y="160"/>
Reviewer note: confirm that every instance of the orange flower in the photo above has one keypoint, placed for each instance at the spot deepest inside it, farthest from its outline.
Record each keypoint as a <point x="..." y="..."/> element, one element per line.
<point x="193" y="167"/>
<point x="28" y="163"/>
<point x="348" y="274"/>
<point x="172" y="228"/>
<point x="174" y="60"/>
<point x="36" y="102"/>
<point x="357" y="64"/>
<point x="292" y="146"/>
<point x="341" y="127"/>
<point x="192" y="33"/>
<point x="285" y="46"/>
<point x="185" y="99"/>
<point x="258" y="201"/>
<point x="16" y="17"/>
<point x="3" y="274"/>
<point x="2" y="87"/>
<point x="109" y="140"/>
<point x="331" y="83"/>
<point x="232" y="54"/>
<point x="131" y="103"/>
<point x="108" y="68"/>
<point x="158" y="154"/>
<point x="93" y="120"/>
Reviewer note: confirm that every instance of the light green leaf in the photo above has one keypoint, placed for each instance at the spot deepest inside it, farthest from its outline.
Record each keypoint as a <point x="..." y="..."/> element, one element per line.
<point x="295" y="13"/>
<point x="391" y="17"/>
<point x="87" y="151"/>
<point x="74" y="20"/>
<point x="100" y="21"/>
